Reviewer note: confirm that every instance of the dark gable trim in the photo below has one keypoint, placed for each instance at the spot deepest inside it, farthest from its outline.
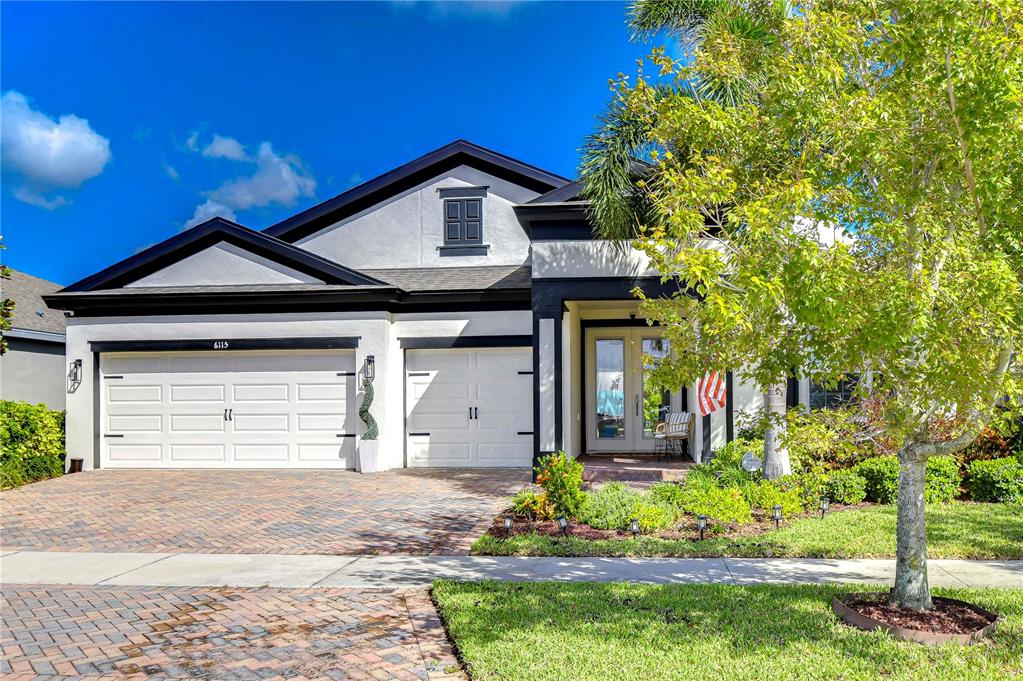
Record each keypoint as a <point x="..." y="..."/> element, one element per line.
<point x="554" y="230"/>
<point x="228" y="344"/>
<point x="553" y="292"/>
<point x="208" y="234"/>
<point x="405" y="177"/>
<point x="445" y="342"/>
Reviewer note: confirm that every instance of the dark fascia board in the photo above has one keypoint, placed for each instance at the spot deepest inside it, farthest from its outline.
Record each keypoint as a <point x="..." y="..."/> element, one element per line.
<point x="569" y="210"/>
<point x="444" y="342"/>
<point x="402" y="178"/>
<point x="102" y="304"/>
<point x="207" y="234"/>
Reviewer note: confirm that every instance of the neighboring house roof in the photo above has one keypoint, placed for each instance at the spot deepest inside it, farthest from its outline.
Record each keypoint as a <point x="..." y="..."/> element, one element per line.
<point x="33" y="318"/>
<point x="480" y="278"/>
<point x="212" y="232"/>
<point x="413" y="173"/>
<point x="568" y="192"/>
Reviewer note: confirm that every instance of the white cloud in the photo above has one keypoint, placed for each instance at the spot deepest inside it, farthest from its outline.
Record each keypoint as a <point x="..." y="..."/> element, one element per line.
<point x="442" y="9"/>
<point x="224" y="147"/>
<point x="47" y="155"/>
<point x="193" y="141"/>
<point x="171" y="172"/>
<point x="277" y="180"/>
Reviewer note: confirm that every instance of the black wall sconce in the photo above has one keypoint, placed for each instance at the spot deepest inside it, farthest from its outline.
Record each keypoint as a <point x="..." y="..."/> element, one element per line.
<point x="74" y="375"/>
<point x="371" y="367"/>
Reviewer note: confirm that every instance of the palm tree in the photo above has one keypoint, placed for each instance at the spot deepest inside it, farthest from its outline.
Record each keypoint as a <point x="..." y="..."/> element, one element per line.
<point x="613" y="154"/>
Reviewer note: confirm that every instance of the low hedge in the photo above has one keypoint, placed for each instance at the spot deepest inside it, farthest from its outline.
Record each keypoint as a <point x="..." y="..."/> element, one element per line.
<point x="31" y="443"/>
<point x="996" y="480"/>
<point x="882" y="477"/>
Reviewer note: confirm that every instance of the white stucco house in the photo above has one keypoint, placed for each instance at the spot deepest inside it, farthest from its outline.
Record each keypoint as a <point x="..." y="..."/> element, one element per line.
<point x="497" y="326"/>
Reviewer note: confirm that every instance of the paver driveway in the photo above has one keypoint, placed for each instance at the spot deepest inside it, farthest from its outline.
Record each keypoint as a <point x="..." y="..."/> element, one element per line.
<point x="224" y="511"/>
<point x="174" y="633"/>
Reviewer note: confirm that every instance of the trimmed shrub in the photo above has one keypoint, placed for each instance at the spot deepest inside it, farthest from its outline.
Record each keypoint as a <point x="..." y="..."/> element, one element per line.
<point x="610" y="507"/>
<point x="726" y="464"/>
<point x="562" y="479"/>
<point x="31" y="443"/>
<point x="705" y="497"/>
<point x="764" y="495"/>
<point x="845" y="487"/>
<point x="942" y="479"/>
<point x="652" y="515"/>
<point x="810" y="485"/>
<point x="997" y="480"/>
<point x="882" y="476"/>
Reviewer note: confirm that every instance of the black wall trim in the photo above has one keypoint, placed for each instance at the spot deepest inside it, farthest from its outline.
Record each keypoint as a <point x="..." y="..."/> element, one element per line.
<point x="228" y="344"/>
<point x="535" y="342"/>
<point x="462" y="192"/>
<point x="553" y="230"/>
<point x="559" y="393"/>
<point x="439" y="342"/>
<point x="792" y="392"/>
<point x="729" y="407"/>
<point x="418" y="435"/>
<point x="706" y="437"/>
<point x="552" y="293"/>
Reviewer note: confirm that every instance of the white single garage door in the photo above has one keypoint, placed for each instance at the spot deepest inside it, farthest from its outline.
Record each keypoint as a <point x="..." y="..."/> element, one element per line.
<point x="467" y="408"/>
<point x="244" y="409"/>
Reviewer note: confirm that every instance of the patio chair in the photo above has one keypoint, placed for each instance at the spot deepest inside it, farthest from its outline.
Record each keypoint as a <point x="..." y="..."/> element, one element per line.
<point x="672" y="436"/>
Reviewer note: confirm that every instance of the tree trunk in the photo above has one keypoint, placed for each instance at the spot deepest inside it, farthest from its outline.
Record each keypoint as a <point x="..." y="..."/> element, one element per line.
<point x="911" y="588"/>
<point x="776" y="456"/>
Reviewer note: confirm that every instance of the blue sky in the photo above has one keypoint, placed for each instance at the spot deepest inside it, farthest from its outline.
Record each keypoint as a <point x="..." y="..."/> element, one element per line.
<point x="124" y="122"/>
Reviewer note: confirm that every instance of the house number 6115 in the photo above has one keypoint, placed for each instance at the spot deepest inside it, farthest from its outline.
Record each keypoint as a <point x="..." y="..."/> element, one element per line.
<point x="220" y="345"/>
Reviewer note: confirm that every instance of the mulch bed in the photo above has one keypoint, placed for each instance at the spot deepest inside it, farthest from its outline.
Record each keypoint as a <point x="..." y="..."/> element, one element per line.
<point x="947" y="617"/>
<point x="762" y="524"/>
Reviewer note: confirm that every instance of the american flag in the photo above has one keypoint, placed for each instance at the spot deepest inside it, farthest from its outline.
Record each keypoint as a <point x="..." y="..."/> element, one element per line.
<point x="710" y="393"/>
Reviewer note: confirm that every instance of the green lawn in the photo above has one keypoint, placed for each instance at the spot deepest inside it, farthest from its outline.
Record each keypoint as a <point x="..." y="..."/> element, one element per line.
<point x="506" y="630"/>
<point x="956" y="530"/>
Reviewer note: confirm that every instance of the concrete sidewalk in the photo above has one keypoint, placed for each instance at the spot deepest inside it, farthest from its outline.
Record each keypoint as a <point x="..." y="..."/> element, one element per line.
<point x="303" y="571"/>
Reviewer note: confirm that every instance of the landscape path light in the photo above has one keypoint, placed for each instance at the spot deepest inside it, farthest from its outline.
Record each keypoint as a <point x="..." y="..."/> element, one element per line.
<point x="777" y="516"/>
<point x="701" y="524"/>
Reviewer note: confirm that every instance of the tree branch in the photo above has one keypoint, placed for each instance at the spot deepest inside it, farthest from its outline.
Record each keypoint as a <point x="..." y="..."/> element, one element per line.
<point x="963" y="145"/>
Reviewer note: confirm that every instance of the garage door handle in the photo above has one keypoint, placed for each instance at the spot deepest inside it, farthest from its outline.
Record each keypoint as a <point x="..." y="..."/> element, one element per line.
<point x="477" y="413"/>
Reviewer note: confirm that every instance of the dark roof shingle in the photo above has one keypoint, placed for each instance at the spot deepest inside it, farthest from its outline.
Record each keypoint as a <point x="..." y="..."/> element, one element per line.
<point x="30" y="312"/>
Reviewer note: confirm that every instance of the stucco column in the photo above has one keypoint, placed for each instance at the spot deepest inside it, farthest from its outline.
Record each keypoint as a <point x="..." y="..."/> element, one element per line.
<point x="547" y="398"/>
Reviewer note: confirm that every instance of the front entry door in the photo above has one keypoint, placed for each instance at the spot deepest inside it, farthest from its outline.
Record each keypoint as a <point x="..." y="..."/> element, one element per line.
<point x="622" y="409"/>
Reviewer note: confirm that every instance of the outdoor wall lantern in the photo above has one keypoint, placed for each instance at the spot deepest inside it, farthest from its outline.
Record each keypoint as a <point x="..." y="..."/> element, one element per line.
<point x="74" y="375"/>
<point x="634" y="526"/>
<point x="371" y="367"/>
<point x="701" y="524"/>
<point x="825" y="502"/>
<point x="777" y="516"/>
<point x="508" y="523"/>
<point x="563" y="524"/>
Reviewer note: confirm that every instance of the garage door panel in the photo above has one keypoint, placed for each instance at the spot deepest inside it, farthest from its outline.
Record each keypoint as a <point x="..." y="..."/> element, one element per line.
<point x="246" y="453"/>
<point x="197" y="423"/>
<point x="505" y="454"/>
<point x="424" y="452"/>
<point x="322" y="392"/>
<point x="502" y="362"/>
<point x="269" y="423"/>
<point x="197" y="393"/>
<point x="133" y="365"/>
<point x="260" y="393"/>
<point x="287" y="414"/>
<point x="440" y="391"/>
<point x="135" y="423"/>
<point x="134" y="393"/>
<point x="320" y="423"/>
<point x="134" y="453"/>
<point x="199" y="453"/>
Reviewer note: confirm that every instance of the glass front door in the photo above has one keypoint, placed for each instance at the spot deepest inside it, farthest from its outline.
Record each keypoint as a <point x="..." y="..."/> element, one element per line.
<point x="623" y="408"/>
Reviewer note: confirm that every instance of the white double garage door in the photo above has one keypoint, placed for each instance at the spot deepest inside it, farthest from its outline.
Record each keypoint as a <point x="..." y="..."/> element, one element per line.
<point x="297" y="409"/>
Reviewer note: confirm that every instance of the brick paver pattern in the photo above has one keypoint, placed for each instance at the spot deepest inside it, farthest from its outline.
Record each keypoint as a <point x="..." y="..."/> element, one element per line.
<point x="234" y="511"/>
<point x="221" y="633"/>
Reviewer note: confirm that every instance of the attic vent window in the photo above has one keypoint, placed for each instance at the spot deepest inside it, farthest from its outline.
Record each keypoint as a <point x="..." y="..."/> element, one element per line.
<point x="463" y="221"/>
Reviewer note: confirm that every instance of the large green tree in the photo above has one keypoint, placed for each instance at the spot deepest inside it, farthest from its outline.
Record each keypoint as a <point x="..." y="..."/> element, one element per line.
<point x="6" y="305"/>
<point x="858" y="208"/>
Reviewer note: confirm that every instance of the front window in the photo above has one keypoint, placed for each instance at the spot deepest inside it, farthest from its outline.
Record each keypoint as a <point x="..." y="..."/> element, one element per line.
<point x="463" y="221"/>
<point x="822" y="397"/>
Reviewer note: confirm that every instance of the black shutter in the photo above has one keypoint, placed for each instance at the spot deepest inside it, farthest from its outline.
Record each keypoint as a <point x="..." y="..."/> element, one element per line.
<point x="454" y="220"/>
<point x="473" y="213"/>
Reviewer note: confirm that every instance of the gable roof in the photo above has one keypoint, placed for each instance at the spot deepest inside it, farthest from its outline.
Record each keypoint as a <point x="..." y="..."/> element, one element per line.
<point x="568" y="192"/>
<point x="209" y="233"/>
<point x="31" y="313"/>
<point x="372" y="192"/>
